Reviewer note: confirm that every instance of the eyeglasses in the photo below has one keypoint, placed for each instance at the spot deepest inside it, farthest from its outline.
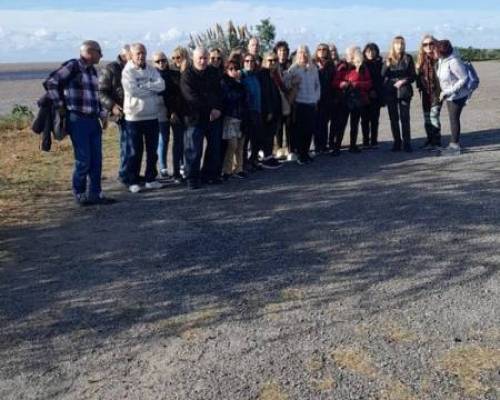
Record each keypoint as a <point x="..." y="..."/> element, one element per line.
<point x="427" y="44"/>
<point x="271" y="60"/>
<point x="162" y="60"/>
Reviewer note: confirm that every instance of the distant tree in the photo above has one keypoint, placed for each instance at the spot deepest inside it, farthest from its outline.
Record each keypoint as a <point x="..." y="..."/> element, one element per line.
<point x="474" y="54"/>
<point x="266" y="32"/>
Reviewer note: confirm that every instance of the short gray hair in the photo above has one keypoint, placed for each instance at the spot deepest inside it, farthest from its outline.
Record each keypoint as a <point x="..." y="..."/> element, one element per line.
<point x="137" y="46"/>
<point x="125" y="49"/>
<point x="89" y="45"/>
<point x="200" y="50"/>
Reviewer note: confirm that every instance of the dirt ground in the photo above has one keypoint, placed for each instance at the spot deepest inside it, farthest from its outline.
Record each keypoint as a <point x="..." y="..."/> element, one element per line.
<point x="371" y="276"/>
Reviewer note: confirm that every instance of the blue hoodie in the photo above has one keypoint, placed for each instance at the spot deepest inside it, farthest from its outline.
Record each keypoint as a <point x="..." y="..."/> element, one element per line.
<point x="252" y="85"/>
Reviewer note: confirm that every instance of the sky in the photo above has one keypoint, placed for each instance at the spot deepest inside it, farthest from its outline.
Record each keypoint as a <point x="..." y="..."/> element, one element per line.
<point x="50" y="30"/>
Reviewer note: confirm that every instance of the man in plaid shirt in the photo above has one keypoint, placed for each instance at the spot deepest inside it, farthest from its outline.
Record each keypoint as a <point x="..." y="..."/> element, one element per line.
<point x="74" y="90"/>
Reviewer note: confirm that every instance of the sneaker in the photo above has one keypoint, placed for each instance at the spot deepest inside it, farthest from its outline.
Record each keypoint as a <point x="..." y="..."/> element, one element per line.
<point x="179" y="179"/>
<point x="81" y="199"/>
<point x="302" y="161"/>
<point x="153" y="185"/>
<point x="452" y="150"/>
<point x="292" y="157"/>
<point x="134" y="188"/>
<point x="164" y="173"/>
<point x="436" y="147"/>
<point x="241" y="175"/>
<point x="271" y="163"/>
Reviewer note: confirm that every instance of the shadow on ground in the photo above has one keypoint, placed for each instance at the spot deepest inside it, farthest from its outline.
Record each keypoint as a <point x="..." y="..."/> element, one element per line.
<point x="381" y="229"/>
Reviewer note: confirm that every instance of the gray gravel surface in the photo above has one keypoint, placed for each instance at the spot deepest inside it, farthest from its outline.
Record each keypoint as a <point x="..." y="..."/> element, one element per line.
<point x="371" y="276"/>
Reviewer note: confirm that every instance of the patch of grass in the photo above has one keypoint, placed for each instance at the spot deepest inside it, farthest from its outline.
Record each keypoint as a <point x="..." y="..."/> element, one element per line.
<point x="468" y="363"/>
<point x="355" y="360"/>
<point x="19" y="118"/>
<point x="272" y="391"/>
<point x="33" y="183"/>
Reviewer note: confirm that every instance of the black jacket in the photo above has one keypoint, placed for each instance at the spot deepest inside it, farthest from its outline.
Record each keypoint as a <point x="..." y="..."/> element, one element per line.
<point x="375" y="69"/>
<point x="270" y="95"/>
<point x="326" y="75"/>
<point x="48" y="122"/>
<point x="404" y="69"/>
<point x="202" y="93"/>
<point x="234" y="98"/>
<point x="110" y="84"/>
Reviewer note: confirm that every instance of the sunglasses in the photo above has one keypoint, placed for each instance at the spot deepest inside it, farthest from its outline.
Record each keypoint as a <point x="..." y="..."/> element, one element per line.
<point x="176" y="57"/>
<point x="427" y="44"/>
<point x="162" y="60"/>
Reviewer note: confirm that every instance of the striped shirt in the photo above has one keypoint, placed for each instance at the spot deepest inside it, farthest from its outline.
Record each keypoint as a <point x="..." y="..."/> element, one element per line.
<point x="80" y="88"/>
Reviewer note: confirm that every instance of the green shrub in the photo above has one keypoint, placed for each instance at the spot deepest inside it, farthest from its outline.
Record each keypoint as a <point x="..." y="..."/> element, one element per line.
<point x="19" y="118"/>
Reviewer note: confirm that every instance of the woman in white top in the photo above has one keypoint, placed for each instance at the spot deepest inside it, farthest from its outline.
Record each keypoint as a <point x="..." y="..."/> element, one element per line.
<point x="452" y="76"/>
<point x="306" y="101"/>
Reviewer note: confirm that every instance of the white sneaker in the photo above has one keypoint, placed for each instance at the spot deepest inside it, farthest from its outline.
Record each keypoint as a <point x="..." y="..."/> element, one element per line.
<point x="453" y="149"/>
<point x="153" y="185"/>
<point x="292" y="157"/>
<point x="134" y="188"/>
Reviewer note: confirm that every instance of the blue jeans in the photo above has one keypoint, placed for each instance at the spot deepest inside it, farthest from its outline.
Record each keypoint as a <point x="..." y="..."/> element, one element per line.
<point x="212" y="162"/>
<point x="164" y="129"/>
<point x="178" y="147"/>
<point x="123" y="149"/>
<point x="86" y="136"/>
<point x="193" y="149"/>
<point x="137" y="134"/>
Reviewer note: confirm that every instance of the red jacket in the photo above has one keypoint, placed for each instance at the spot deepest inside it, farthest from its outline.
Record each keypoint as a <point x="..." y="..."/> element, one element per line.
<point x="360" y="80"/>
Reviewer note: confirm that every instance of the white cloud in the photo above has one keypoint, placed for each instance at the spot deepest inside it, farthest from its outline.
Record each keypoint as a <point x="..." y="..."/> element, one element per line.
<point x="56" y="34"/>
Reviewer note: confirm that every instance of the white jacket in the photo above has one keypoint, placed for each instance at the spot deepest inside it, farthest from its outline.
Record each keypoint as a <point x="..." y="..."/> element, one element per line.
<point x="141" y="88"/>
<point x="453" y="77"/>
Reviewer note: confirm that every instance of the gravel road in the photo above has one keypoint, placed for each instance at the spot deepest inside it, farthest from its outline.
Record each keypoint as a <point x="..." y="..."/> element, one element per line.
<point x="371" y="276"/>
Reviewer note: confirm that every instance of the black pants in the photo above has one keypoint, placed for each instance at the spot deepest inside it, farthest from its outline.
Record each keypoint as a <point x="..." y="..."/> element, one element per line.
<point x="355" y="116"/>
<point x="369" y="123"/>
<point x="324" y="116"/>
<point x="252" y="130"/>
<point x="339" y="123"/>
<point x="305" y="124"/>
<point x="283" y="133"/>
<point x="455" y="108"/>
<point x="399" y="111"/>
<point x="266" y="142"/>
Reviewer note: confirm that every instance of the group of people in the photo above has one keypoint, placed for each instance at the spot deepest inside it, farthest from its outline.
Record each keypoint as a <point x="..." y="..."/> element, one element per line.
<point x="247" y="111"/>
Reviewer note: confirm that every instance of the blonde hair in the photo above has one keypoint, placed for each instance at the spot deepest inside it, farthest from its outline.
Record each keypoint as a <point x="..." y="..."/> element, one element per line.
<point x="393" y="57"/>
<point x="357" y="57"/>
<point x="421" y="52"/>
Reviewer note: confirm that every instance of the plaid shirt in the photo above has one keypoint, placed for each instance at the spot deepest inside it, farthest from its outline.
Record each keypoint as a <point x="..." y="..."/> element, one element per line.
<point x="81" y="92"/>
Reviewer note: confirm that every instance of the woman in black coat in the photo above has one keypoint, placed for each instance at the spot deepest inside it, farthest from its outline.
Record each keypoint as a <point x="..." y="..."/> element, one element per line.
<point x="398" y="73"/>
<point x="370" y="120"/>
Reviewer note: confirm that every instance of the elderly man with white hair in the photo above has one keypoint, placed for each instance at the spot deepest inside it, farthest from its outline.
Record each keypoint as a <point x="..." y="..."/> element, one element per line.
<point x="74" y="89"/>
<point x="111" y="95"/>
<point x="141" y="84"/>
<point x="201" y="89"/>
